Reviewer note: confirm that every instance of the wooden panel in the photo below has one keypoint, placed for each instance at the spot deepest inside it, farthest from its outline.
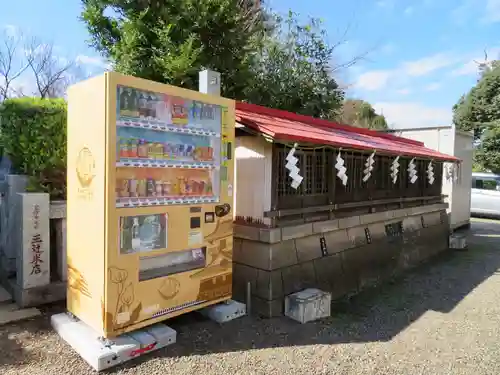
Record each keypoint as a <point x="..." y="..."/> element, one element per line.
<point x="253" y="177"/>
<point x="321" y="186"/>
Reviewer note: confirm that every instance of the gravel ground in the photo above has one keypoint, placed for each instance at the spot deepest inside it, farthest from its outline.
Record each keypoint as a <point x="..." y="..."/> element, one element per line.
<point x="442" y="318"/>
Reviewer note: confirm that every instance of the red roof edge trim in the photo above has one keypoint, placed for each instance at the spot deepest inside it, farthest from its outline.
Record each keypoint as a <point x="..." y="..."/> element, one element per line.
<point x="320" y="122"/>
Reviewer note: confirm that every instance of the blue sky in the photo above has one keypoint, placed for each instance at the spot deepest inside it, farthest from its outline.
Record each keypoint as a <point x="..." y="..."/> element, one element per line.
<point x="419" y="53"/>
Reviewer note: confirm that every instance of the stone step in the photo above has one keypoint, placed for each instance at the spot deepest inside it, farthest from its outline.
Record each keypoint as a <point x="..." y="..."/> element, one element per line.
<point x="12" y="313"/>
<point x="5" y="297"/>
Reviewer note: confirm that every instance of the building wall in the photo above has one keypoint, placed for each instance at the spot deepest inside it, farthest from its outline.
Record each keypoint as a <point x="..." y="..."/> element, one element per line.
<point x="253" y="173"/>
<point x="341" y="256"/>
<point x="450" y="141"/>
<point x="461" y="196"/>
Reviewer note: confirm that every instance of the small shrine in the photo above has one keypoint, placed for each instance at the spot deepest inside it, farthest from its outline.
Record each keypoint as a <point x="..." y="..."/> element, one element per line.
<point x="326" y="205"/>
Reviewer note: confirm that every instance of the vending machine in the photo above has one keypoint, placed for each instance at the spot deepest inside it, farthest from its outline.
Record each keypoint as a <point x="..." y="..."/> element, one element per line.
<point x="150" y="185"/>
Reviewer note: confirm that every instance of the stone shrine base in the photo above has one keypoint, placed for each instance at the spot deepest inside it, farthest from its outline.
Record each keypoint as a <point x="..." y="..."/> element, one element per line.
<point x="341" y="256"/>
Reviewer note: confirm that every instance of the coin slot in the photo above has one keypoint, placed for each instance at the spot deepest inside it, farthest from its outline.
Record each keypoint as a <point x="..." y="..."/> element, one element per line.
<point x="209" y="217"/>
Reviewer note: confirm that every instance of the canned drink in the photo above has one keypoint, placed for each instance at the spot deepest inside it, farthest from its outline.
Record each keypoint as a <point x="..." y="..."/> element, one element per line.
<point x="142" y="188"/>
<point x="132" y="151"/>
<point x="133" y="188"/>
<point x="151" y="190"/>
<point x="125" y="185"/>
<point x="159" y="150"/>
<point x="159" y="188"/>
<point x="124" y="151"/>
<point x="167" y="188"/>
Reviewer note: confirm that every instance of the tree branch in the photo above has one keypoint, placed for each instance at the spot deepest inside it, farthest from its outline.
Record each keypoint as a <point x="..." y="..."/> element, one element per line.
<point x="10" y="66"/>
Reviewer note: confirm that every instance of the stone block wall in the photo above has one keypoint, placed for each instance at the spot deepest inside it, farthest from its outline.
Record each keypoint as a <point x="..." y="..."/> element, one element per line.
<point x="341" y="256"/>
<point x="10" y="222"/>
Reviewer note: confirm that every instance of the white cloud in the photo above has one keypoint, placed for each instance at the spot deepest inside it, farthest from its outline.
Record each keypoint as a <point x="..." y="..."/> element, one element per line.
<point x="433" y="86"/>
<point x="466" y="69"/>
<point x="374" y="80"/>
<point x="22" y="85"/>
<point x="91" y="60"/>
<point x="428" y="64"/>
<point x="380" y="79"/>
<point x="404" y="91"/>
<point x="11" y="31"/>
<point x="471" y="65"/>
<point x="413" y="115"/>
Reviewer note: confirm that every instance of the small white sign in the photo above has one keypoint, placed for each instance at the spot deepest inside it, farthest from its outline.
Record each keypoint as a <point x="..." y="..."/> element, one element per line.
<point x="195" y="238"/>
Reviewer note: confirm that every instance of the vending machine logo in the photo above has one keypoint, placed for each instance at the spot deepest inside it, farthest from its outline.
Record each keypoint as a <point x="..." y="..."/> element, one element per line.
<point x="85" y="171"/>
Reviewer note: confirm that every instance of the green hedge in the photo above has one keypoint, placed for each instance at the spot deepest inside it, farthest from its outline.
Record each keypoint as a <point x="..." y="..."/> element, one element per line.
<point x="33" y="135"/>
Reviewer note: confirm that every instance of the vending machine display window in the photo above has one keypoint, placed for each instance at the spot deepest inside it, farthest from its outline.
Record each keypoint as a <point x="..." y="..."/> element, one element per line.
<point x="143" y="233"/>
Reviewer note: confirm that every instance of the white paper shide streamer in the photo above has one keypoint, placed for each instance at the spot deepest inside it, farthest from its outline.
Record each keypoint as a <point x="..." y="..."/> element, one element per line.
<point x="370" y="160"/>
<point x="293" y="170"/>
<point x="412" y="172"/>
<point x="456" y="172"/>
<point x="395" y="169"/>
<point x="430" y="173"/>
<point x="339" y="166"/>
<point x="449" y="172"/>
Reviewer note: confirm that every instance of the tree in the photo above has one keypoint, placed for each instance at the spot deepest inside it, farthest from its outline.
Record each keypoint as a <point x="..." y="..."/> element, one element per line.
<point x="359" y="113"/>
<point x="293" y="70"/>
<point x="263" y="59"/>
<point x="487" y="155"/>
<point x="12" y="63"/>
<point x="32" y="68"/>
<point x="52" y="75"/>
<point x="486" y="65"/>
<point x="479" y="109"/>
<point x="170" y="41"/>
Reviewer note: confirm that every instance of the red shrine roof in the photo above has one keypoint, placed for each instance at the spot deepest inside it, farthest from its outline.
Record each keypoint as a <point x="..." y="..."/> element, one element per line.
<point x="292" y="127"/>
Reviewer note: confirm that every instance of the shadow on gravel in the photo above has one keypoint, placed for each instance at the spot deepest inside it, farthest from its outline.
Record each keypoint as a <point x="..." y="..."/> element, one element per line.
<point x="12" y="352"/>
<point x="15" y="338"/>
<point x="373" y="315"/>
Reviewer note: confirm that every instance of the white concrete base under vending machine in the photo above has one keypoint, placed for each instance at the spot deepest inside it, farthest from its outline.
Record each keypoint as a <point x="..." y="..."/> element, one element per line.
<point x="225" y="311"/>
<point x="102" y="354"/>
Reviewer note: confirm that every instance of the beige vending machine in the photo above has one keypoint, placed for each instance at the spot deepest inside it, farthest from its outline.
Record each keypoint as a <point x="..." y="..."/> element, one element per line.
<point x="149" y="220"/>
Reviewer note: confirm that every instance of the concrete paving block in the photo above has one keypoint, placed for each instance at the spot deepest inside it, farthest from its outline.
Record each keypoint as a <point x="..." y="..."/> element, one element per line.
<point x="308" y="305"/>
<point x="458" y="241"/>
<point x="4" y="296"/>
<point x="225" y="312"/>
<point x="12" y="313"/>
